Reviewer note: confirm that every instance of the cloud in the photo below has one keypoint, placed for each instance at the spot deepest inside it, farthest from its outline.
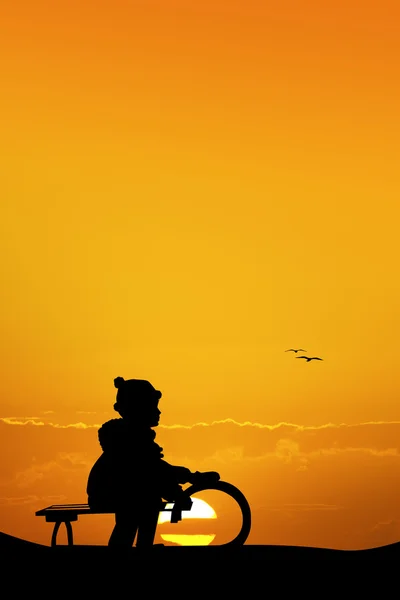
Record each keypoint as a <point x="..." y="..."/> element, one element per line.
<point x="30" y="499"/>
<point x="288" y="442"/>
<point x="18" y="501"/>
<point x="35" y="421"/>
<point x="229" y="440"/>
<point x="64" y="461"/>
<point x="282" y="425"/>
<point x="21" y="421"/>
<point x="228" y="455"/>
<point x="306" y="507"/>
<point x="347" y="449"/>
<point x="312" y="507"/>
<point x="33" y="474"/>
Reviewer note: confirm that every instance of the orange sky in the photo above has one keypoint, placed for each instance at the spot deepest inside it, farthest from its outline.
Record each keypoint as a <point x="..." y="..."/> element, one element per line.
<point x="189" y="189"/>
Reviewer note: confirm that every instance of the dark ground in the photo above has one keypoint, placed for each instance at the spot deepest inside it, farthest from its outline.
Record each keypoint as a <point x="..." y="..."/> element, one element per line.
<point x="249" y="571"/>
<point x="13" y="546"/>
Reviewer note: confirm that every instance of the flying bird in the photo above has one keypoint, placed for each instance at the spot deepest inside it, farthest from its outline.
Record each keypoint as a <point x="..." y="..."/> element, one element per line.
<point x="308" y="358"/>
<point x="296" y="350"/>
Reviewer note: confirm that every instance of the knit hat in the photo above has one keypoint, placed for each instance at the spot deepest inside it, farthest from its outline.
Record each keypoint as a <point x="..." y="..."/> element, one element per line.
<point x="135" y="390"/>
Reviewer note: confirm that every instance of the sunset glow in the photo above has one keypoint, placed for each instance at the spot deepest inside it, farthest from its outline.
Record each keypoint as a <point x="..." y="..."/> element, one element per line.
<point x="188" y="190"/>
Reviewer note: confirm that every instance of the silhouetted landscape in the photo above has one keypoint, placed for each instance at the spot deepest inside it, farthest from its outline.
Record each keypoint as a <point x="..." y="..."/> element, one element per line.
<point x="65" y="555"/>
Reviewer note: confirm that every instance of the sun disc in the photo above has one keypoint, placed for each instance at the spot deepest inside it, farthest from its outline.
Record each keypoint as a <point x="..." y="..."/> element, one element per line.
<point x="188" y="540"/>
<point x="200" y="510"/>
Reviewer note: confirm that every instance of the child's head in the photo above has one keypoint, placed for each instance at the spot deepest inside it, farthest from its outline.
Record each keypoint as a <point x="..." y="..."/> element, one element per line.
<point x="137" y="400"/>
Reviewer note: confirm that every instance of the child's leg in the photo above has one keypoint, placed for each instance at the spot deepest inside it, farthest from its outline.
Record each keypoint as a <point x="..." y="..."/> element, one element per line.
<point x="124" y="532"/>
<point x="148" y="524"/>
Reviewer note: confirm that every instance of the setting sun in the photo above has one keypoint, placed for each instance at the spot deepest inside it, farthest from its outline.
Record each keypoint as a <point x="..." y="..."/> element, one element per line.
<point x="188" y="540"/>
<point x="200" y="510"/>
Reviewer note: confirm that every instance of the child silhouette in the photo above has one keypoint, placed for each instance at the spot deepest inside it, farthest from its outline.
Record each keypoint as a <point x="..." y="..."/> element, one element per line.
<point x="130" y="477"/>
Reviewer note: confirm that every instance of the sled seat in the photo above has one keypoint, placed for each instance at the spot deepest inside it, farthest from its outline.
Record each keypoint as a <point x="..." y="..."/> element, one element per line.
<point x="68" y="513"/>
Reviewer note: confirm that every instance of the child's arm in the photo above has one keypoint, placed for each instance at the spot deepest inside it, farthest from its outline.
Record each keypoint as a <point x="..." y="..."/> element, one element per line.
<point x="184" y="475"/>
<point x="179" y="474"/>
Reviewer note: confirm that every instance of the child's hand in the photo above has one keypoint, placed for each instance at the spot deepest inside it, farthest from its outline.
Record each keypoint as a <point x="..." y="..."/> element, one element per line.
<point x="173" y="494"/>
<point x="205" y="478"/>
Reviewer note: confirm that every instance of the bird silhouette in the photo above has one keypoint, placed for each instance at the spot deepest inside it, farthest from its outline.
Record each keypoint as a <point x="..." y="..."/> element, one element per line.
<point x="308" y="358"/>
<point x="296" y="350"/>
